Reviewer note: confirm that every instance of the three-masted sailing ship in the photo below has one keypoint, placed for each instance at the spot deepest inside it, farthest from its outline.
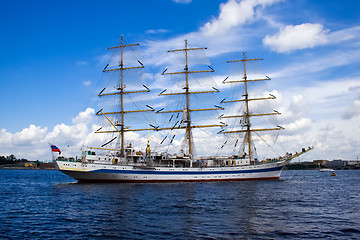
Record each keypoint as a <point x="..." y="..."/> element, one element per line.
<point x="125" y="163"/>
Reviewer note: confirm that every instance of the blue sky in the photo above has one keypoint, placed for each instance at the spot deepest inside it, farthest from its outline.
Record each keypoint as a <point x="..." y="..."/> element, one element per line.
<point x="51" y="62"/>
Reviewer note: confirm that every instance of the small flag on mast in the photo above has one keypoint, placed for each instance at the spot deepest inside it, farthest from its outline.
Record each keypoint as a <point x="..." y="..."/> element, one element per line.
<point x="55" y="149"/>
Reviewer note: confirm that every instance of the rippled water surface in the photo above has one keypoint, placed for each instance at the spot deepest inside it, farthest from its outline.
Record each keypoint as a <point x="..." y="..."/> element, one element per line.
<point x="302" y="204"/>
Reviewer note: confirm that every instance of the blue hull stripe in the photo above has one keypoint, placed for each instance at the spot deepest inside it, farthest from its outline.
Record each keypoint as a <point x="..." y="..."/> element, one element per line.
<point x="155" y="172"/>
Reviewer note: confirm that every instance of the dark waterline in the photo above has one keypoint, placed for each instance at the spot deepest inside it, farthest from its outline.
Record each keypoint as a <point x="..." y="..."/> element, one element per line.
<point x="302" y="204"/>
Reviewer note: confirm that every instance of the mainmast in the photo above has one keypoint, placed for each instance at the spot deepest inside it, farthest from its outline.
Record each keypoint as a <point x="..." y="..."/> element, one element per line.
<point x="120" y="91"/>
<point x="247" y="114"/>
<point x="187" y="109"/>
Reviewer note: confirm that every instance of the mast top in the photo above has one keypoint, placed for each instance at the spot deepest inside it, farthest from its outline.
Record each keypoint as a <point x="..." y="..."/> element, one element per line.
<point x="122" y="44"/>
<point x="245" y="59"/>
<point x="186" y="48"/>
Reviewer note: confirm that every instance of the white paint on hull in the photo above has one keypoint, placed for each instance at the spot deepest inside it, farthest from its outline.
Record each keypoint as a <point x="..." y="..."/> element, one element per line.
<point x="118" y="173"/>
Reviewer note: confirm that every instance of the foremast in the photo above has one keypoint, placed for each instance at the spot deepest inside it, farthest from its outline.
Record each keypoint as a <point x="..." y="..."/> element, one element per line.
<point x="121" y="92"/>
<point x="247" y="114"/>
<point x="187" y="108"/>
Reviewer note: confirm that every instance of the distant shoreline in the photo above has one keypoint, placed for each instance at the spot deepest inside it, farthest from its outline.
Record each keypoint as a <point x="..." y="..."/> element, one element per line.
<point x="25" y="168"/>
<point x="29" y="165"/>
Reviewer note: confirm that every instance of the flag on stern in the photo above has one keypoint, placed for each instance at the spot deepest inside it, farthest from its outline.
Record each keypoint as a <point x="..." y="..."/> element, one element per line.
<point x="55" y="149"/>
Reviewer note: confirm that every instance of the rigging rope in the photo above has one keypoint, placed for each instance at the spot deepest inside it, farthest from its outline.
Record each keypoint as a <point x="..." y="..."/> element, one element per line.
<point x="267" y="144"/>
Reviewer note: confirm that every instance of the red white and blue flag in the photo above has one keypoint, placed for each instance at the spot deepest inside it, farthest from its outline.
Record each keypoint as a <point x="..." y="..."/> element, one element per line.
<point x="55" y="149"/>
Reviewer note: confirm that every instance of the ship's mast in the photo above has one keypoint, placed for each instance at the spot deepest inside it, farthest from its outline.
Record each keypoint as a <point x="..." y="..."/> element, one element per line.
<point x="121" y="91"/>
<point x="188" y="120"/>
<point x="187" y="109"/>
<point x="247" y="114"/>
<point x="247" y="118"/>
<point x="122" y="96"/>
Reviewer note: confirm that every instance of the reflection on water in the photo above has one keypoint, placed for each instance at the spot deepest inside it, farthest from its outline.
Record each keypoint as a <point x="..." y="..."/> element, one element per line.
<point x="303" y="204"/>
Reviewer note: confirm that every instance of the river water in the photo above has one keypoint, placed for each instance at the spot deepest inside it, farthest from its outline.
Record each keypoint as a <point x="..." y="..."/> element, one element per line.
<point x="47" y="204"/>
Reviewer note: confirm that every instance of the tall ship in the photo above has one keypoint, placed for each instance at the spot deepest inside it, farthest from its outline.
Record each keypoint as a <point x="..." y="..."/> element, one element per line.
<point x="116" y="159"/>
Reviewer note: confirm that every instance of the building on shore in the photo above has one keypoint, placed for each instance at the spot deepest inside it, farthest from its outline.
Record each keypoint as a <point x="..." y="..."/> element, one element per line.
<point x="30" y="165"/>
<point x="320" y="162"/>
<point x="334" y="164"/>
<point x="338" y="163"/>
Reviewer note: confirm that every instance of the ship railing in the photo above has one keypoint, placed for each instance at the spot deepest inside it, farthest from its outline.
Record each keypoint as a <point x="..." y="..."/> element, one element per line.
<point x="70" y="159"/>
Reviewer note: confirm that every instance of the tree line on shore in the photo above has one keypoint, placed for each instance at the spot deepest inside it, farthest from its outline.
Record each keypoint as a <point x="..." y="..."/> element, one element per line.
<point x="11" y="159"/>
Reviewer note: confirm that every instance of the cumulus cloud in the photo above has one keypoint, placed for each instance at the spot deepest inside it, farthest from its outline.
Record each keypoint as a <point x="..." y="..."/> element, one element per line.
<point x="291" y="38"/>
<point x="333" y="114"/>
<point x="29" y="135"/>
<point x="84" y="117"/>
<point x="232" y="14"/>
<point x="23" y="144"/>
<point x="298" y="108"/>
<point x="302" y="124"/>
<point x="352" y="111"/>
<point x="26" y="137"/>
<point x="307" y="35"/>
<point x="32" y="142"/>
<point x="5" y="137"/>
<point x="354" y="88"/>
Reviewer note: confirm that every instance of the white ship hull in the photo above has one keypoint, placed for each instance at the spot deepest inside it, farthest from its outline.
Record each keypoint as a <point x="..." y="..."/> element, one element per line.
<point x="117" y="173"/>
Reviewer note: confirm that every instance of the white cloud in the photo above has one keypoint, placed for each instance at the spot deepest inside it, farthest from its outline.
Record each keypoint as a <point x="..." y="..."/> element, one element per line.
<point x="86" y="83"/>
<point x="23" y="144"/>
<point x="302" y="124"/>
<point x="317" y="117"/>
<point x="81" y="63"/>
<point x="32" y="142"/>
<point x="232" y="14"/>
<point x="317" y="63"/>
<point x="156" y="31"/>
<point x="26" y="137"/>
<point x="352" y="111"/>
<point x="29" y="135"/>
<point x="5" y="137"/>
<point x="291" y="38"/>
<point x="84" y="117"/>
<point x="220" y="35"/>
<point x="103" y="59"/>
<point x="346" y="34"/>
<point x="297" y="109"/>
<point x="182" y="1"/>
